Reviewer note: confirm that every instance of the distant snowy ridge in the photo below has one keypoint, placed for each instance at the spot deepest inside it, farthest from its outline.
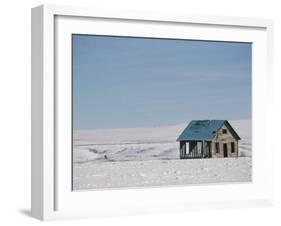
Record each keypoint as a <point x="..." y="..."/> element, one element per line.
<point x="135" y="144"/>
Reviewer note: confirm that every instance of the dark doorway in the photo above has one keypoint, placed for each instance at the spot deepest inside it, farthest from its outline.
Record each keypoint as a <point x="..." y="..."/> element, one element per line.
<point x="225" y="150"/>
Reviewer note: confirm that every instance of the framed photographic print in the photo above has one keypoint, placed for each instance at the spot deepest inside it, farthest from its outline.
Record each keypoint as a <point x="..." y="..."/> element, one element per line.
<point x="138" y="113"/>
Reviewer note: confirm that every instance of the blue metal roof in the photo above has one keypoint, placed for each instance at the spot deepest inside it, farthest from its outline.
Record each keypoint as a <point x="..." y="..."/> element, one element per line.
<point x="204" y="130"/>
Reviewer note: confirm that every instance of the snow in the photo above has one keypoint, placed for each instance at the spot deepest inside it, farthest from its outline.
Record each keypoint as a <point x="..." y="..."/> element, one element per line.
<point x="133" y="157"/>
<point x="161" y="172"/>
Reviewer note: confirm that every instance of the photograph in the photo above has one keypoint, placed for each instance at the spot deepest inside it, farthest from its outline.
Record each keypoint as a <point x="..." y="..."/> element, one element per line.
<point x="159" y="112"/>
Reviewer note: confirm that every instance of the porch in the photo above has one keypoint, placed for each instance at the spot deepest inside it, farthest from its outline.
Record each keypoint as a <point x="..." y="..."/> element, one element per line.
<point x="195" y="149"/>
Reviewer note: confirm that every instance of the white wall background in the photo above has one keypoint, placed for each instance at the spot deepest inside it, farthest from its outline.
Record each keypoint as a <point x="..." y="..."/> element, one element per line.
<point x="15" y="111"/>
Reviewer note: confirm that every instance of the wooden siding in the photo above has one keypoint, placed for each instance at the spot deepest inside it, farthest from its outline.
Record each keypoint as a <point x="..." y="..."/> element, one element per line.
<point x="222" y="139"/>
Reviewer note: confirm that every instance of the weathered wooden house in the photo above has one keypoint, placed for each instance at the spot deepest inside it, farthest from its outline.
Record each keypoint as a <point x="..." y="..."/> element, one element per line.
<point x="208" y="139"/>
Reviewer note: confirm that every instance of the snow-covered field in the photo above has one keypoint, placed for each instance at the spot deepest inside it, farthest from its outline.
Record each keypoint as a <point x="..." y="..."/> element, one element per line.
<point x="161" y="172"/>
<point x="113" y="158"/>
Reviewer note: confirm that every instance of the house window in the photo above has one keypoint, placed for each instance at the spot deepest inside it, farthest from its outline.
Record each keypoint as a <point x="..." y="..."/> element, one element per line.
<point x="232" y="147"/>
<point x="217" y="147"/>
<point x="224" y="131"/>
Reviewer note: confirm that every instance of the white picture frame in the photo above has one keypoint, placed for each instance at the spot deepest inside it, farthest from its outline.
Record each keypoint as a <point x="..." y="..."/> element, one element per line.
<point x="52" y="196"/>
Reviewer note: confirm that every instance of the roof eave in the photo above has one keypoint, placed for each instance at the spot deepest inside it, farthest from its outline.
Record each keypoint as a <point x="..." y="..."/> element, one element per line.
<point x="194" y="139"/>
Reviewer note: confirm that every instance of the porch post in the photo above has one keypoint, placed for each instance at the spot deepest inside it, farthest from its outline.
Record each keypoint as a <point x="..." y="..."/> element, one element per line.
<point x="181" y="144"/>
<point x="203" y="148"/>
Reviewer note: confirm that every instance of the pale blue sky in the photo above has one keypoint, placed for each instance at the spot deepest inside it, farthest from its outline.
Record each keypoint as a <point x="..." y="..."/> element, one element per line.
<point x="141" y="82"/>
